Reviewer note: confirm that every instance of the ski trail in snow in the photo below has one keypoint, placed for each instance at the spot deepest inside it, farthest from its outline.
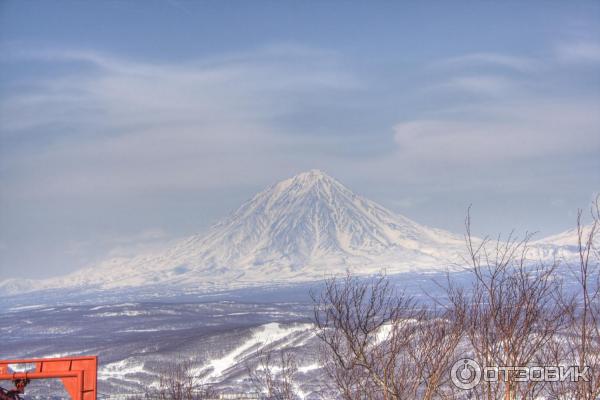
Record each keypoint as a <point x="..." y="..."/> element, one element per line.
<point x="262" y="336"/>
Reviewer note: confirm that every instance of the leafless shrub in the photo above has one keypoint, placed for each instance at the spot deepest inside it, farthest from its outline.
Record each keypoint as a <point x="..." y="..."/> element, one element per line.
<point x="178" y="382"/>
<point x="274" y="374"/>
<point x="579" y="344"/>
<point x="510" y="311"/>
<point x="378" y="344"/>
<point x="433" y="351"/>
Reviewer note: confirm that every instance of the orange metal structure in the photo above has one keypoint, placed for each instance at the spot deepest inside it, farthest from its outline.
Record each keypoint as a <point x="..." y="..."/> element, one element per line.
<point x="78" y="374"/>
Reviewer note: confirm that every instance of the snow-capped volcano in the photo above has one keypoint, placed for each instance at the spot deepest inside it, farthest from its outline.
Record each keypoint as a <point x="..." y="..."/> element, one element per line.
<point x="311" y="217"/>
<point x="303" y="228"/>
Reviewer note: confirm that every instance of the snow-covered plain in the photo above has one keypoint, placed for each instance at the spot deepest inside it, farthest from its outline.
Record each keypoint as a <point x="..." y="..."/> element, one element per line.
<point x="217" y="298"/>
<point x="136" y="341"/>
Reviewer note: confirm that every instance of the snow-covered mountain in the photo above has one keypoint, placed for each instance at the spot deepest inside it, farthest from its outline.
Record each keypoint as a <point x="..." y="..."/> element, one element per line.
<point x="304" y="228"/>
<point x="564" y="246"/>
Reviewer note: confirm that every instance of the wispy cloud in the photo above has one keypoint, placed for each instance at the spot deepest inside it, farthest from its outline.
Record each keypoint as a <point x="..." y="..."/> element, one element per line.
<point x="497" y="134"/>
<point x="524" y="113"/>
<point x="130" y="125"/>
<point x="518" y="63"/>
<point x="118" y="245"/>
<point x="579" y="53"/>
<point x="480" y="84"/>
<point x="135" y="127"/>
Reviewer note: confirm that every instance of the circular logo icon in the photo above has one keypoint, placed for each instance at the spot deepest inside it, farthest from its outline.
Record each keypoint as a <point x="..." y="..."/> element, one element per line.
<point x="465" y="374"/>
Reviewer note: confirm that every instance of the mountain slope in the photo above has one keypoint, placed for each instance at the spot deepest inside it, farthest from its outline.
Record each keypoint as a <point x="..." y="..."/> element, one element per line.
<point x="564" y="246"/>
<point x="303" y="228"/>
<point x="307" y="218"/>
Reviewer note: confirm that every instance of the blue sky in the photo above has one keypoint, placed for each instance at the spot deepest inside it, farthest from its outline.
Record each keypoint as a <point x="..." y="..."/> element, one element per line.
<point x="125" y="124"/>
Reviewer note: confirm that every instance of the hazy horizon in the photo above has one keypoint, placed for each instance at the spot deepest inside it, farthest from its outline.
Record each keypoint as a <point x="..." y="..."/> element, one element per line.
<point x="124" y="125"/>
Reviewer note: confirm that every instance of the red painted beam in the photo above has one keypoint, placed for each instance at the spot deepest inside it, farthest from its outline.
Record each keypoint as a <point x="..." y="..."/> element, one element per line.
<point x="78" y="374"/>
